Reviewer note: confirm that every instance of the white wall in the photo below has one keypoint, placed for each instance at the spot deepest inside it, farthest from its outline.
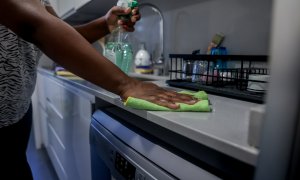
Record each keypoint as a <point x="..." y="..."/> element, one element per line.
<point x="190" y="24"/>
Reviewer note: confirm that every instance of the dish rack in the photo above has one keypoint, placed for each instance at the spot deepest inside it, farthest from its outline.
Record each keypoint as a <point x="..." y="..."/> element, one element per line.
<point x="224" y="75"/>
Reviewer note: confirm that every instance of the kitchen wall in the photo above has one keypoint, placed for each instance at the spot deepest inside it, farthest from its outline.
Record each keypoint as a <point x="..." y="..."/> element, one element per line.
<point x="190" y="24"/>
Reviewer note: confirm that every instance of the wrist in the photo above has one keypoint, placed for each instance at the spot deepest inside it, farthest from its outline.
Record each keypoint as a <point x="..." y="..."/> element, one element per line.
<point x="125" y="86"/>
<point x="104" y="25"/>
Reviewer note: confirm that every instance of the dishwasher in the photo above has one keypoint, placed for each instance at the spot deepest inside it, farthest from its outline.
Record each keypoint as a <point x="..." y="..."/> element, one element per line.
<point x="120" y="153"/>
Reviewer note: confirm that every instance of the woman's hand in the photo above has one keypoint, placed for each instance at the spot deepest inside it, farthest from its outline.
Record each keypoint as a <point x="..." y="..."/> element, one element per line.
<point x="112" y="18"/>
<point x="155" y="94"/>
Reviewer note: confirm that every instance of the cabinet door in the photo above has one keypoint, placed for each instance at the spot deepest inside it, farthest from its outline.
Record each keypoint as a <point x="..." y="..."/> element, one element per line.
<point x="54" y="4"/>
<point x="39" y="106"/>
<point x="66" y="7"/>
<point x="57" y="153"/>
<point x="80" y="3"/>
<point x="44" y="126"/>
<point x="53" y="94"/>
<point x="40" y="88"/>
<point x="78" y="148"/>
<point x="69" y="112"/>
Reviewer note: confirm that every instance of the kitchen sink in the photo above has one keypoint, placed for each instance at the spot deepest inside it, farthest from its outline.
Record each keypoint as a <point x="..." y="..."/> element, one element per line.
<point x="148" y="77"/>
<point x="145" y="79"/>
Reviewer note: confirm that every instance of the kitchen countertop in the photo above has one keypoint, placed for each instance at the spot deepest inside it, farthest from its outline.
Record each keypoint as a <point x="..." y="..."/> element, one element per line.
<point x="225" y="129"/>
<point x="148" y="76"/>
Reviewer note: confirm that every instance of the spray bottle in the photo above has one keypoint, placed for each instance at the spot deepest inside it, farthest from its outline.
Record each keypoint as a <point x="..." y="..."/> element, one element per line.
<point x="118" y="48"/>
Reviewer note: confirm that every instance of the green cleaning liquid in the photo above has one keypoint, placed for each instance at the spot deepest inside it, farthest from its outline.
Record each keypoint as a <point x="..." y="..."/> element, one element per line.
<point x="127" y="58"/>
<point x="118" y="48"/>
<point x="121" y="54"/>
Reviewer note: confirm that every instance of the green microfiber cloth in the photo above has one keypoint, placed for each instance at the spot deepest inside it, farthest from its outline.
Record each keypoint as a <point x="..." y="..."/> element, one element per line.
<point x="201" y="106"/>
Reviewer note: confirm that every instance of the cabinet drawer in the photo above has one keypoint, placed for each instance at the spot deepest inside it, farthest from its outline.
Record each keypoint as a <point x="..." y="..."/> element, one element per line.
<point x="57" y="146"/>
<point x="81" y="108"/>
<point x="44" y="126"/>
<point x="53" y="92"/>
<point x="58" y="123"/>
<point x="59" y="169"/>
<point x="62" y="100"/>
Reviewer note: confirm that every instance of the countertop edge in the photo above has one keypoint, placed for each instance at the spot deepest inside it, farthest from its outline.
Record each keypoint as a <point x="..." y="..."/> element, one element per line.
<point x="244" y="154"/>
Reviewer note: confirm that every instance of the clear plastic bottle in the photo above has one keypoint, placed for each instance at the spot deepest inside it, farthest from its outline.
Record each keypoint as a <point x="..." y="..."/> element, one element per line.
<point x="118" y="48"/>
<point x="127" y="59"/>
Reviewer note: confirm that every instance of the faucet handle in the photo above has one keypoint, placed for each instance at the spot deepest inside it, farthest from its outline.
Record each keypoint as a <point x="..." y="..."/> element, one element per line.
<point x="160" y="60"/>
<point x="159" y="66"/>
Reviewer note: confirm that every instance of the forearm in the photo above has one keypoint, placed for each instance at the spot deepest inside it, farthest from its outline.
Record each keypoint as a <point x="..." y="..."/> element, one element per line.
<point x="93" y="30"/>
<point x="63" y="44"/>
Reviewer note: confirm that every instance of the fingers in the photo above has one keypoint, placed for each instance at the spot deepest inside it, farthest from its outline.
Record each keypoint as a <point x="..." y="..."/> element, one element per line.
<point x="185" y="99"/>
<point x="171" y="99"/>
<point x="163" y="102"/>
<point x="136" y="16"/>
<point x="180" y="98"/>
<point x="135" y="11"/>
<point x="120" y="10"/>
<point x="128" y="26"/>
<point x="169" y="104"/>
<point x="157" y="95"/>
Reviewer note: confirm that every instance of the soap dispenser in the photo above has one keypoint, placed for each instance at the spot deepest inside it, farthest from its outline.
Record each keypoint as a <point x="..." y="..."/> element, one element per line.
<point x="143" y="61"/>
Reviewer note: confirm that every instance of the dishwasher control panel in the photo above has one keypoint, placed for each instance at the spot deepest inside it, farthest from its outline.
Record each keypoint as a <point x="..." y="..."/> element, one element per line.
<point x="124" y="167"/>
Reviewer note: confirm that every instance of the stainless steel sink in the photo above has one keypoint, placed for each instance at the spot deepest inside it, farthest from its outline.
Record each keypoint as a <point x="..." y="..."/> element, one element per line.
<point x="144" y="79"/>
<point x="147" y="77"/>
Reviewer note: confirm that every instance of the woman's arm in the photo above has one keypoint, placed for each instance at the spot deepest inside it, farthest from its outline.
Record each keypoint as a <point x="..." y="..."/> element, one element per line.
<point x="102" y="26"/>
<point x="63" y="44"/>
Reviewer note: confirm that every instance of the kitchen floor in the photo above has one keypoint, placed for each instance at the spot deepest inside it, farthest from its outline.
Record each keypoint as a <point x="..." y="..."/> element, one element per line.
<point x="39" y="161"/>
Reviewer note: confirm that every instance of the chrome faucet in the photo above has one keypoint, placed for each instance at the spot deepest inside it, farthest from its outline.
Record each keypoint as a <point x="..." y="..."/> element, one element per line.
<point x="158" y="57"/>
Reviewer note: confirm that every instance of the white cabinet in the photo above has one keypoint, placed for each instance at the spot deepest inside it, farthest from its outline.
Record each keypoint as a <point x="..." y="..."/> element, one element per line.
<point x="65" y="122"/>
<point x="54" y="4"/>
<point x="44" y="126"/>
<point x="39" y="113"/>
<point x="65" y="7"/>
<point x="82" y="11"/>
<point x="69" y="7"/>
<point x="80" y="3"/>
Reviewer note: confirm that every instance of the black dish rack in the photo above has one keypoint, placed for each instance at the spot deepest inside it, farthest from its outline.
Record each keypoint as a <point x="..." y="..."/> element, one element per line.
<point x="230" y="80"/>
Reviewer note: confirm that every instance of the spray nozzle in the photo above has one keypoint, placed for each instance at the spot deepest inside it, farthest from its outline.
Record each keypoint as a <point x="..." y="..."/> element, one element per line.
<point x="127" y="4"/>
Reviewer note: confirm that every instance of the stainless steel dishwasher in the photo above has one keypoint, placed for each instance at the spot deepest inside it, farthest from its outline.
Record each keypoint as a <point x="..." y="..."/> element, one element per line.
<point x="118" y="152"/>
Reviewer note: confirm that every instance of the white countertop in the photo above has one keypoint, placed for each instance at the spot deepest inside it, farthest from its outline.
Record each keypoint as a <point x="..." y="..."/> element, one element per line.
<point x="148" y="76"/>
<point x="225" y="129"/>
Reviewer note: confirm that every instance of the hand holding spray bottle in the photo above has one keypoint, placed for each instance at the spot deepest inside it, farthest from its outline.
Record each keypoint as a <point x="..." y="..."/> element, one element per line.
<point x="119" y="48"/>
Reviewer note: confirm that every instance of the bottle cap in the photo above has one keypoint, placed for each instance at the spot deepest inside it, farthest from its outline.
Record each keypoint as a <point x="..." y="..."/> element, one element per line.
<point x="134" y="4"/>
